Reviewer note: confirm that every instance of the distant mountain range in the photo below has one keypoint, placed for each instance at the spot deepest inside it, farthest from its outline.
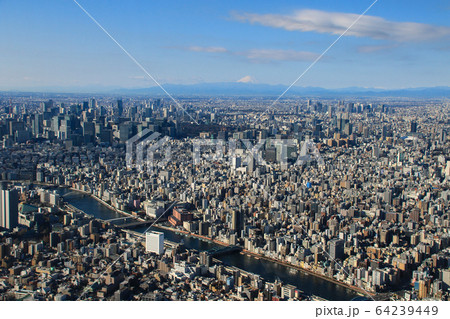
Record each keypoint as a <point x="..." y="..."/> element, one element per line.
<point x="252" y="89"/>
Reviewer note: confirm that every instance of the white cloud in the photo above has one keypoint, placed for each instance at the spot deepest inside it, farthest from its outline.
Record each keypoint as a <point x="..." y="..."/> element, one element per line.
<point x="207" y="49"/>
<point x="375" y="48"/>
<point x="260" y="55"/>
<point x="246" y="79"/>
<point x="269" y="55"/>
<point x="336" y="23"/>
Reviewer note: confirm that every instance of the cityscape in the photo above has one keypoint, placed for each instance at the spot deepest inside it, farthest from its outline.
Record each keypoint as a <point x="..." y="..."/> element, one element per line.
<point x="354" y="194"/>
<point x="246" y="181"/>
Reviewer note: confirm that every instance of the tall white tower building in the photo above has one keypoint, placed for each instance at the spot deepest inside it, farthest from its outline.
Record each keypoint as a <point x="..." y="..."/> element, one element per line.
<point x="9" y="200"/>
<point x="154" y="242"/>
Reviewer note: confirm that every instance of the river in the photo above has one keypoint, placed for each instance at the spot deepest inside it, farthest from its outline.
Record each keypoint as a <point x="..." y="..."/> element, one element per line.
<point x="268" y="270"/>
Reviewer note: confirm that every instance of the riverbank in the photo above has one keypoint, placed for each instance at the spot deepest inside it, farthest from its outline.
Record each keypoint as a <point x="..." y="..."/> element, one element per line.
<point x="310" y="272"/>
<point x="175" y="230"/>
<point x="252" y="254"/>
<point x="269" y="268"/>
<point x="101" y="201"/>
<point x="260" y="256"/>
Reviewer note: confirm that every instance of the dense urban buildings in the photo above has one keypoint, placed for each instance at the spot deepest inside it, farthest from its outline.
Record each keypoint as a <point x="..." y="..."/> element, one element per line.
<point x="353" y="192"/>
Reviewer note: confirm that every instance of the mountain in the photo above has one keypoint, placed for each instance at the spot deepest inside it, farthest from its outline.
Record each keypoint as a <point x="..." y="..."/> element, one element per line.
<point x="251" y="89"/>
<point x="245" y="89"/>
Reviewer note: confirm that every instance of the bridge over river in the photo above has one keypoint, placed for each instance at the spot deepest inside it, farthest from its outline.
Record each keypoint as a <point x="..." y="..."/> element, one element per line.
<point x="129" y="222"/>
<point x="218" y="251"/>
<point x="268" y="270"/>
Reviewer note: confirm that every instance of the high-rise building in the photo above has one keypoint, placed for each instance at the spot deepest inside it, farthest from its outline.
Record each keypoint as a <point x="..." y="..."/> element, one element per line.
<point x="154" y="242"/>
<point x="348" y="129"/>
<point x="236" y="221"/>
<point x="387" y="196"/>
<point x="337" y="249"/>
<point x="93" y="103"/>
<point x="366" y="132"/>
<point x="9" y="214"/>
<point x="119" y="107"/>
<point x="442" y="136"/>
<point x="378" y="277"/>
<point x="375" y="151"/>
<point x="423" y="289"/>
<point x="413" y="127"/>
<point x="125" y="131"/>
<point x="385" y="131"/>
<point x="235" y="162"/>
<point x="251" y="165"/>
<point x="37" y="124"/>
<point x="205" y="258"/>
<point x="48" y="106"/>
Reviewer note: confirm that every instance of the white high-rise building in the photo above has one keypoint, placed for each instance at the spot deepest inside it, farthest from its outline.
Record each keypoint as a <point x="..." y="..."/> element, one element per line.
<point x="9" y="215"/>
<point x="154" y="242"/>
<point x="447" y="170"/>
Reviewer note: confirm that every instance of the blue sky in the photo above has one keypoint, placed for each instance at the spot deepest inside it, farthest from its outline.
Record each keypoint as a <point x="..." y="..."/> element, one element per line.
<point x="399" y="44"/>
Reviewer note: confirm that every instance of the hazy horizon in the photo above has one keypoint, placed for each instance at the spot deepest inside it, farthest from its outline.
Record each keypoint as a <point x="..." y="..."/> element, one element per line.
<point x="50" y="44"/>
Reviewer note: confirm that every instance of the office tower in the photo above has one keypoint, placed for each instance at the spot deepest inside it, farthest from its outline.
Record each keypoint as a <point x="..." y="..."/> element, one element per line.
<point x="157" y="103"/>
<point x="93" y="226"/>
<point x="236" y="221"/>
<point x="203" y="228"/>
<point x="48" y="106"/>
<point x="9" y="214"/>
<point x="105" y="136"/>
<point x="366" y="132"/>
<point x="88" y="131"/>
<point x="125" y="131"/>
<point x="85" y="106"/>
<point x="251" y="165"/>
<point x="205" y="258"/>
<point x="423" y="289"/>
<point x="442" y="136"/>
<point x="37" y="124"/>
<point x="348" y="129"/>
<point x="93" y="103"/>
<point x="413" y="127"/>
<point x="88" y="128"/>
<point x="317" y="129"/>
<point x="387" y="196"/>
<point x="235" y="162"/>
<point x="375" y="152"/>
<point x="119" y="107"/>
<point x="64" y="130"/>
<point x="385" y="236"/>
<point x="154" y="242"/>
<point x="337" y="249"/>
<point x="385" y="131"/>
<point x="54" y="239"/>
<point x="378" y="277"/>
<point x="271" y="154"/>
